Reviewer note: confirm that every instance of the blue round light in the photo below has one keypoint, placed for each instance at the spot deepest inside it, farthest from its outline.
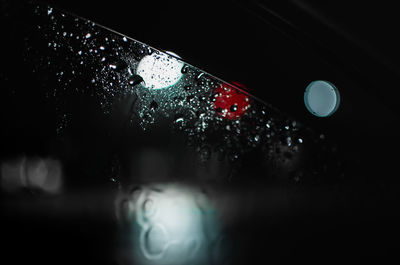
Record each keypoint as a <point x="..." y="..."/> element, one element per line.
<point x="321" y="98"/>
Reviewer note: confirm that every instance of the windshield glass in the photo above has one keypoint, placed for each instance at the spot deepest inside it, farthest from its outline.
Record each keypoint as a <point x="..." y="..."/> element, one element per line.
<point x="118" y="152"/>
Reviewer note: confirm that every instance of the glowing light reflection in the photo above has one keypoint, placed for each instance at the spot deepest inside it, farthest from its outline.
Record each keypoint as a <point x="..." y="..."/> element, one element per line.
<point x="160" y="70"/>
<point x="172" y="227"/>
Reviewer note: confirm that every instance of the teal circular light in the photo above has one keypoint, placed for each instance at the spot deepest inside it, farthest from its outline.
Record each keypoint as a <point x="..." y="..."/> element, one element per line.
<point x="321" y="98"/>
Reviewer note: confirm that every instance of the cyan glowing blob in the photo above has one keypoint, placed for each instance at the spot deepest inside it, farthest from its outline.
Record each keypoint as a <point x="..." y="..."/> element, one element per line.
<point x="321" y="98"/>
<point x="171" y="224"/>
<point x="160" y="70"/>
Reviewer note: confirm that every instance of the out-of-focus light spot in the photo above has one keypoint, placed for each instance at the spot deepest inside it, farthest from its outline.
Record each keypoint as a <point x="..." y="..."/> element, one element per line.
<point x="229" y="102"/>
<point x="171" y="218"/>
<point x="12" y="175"/>
<point x="321" y="98"/>
<point x="160" y="70"/>
<point x="32" y="173"/>
<point x="174" y="227"/>
<point x="36" y="172"/>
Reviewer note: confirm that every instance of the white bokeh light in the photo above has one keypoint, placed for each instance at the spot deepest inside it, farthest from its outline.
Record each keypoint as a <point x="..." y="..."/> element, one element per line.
<point x="174" y="224"/>
<point x="160" y="70"/>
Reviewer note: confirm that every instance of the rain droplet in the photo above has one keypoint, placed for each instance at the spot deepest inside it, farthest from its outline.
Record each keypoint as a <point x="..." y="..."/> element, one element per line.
<point x="179" y="122"/>
<point x="155" y="242"/>
<point x="153" y="105"/>
<point x="233" y="108"/>
<point x="289" y="141"/>
<point x="135" y="80"/>
<point x="118" y="65"/>
<point x="233" y="157"/>
<point x="184" y="69"/>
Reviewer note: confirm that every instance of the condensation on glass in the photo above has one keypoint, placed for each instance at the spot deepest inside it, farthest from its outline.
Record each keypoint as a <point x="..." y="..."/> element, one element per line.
<point x="166" y="222"/>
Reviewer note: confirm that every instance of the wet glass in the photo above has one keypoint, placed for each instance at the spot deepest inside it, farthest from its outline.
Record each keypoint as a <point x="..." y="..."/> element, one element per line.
<point x="168" y="163"/>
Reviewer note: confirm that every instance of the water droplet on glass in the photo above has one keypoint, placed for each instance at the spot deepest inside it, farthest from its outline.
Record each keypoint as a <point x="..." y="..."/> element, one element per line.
<point x="184" y="69"/>
<point x="179" y="122"/>
<point x="117" y="65"/>
<point x="155" y="242"/>
<point x="233" y="108"/>
<point x="153" y="105"/>
<point x="232" y="156"/>
<point x="135" y="80"/>
<point x="88" y="35"/>
<point x="289" y="141"/>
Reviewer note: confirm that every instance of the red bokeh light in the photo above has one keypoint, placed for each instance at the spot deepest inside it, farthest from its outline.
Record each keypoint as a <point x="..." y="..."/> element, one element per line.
<point x="229" y="102"/>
